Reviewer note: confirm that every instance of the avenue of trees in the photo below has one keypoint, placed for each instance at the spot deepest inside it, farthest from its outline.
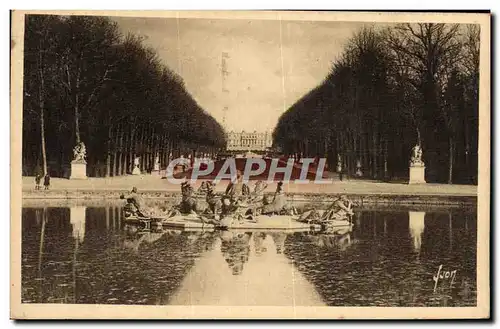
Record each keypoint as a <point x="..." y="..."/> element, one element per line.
<point x="84" y="81"/>
<point x="390" y="90"/>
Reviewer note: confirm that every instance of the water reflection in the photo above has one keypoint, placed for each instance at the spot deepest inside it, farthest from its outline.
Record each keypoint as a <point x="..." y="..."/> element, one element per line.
<point x="396" y="267"/>
<point x="246" y="269"/>
<point x="279" y="239"/>
<point x="84" y="255"/>
<point x="235" y="248"/>
<point x="417" y="226"/>
<point x="135" y="240"/>
<point x="77" y="220"/>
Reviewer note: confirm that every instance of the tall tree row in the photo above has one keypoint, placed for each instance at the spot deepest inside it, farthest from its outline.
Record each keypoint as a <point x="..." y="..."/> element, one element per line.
<point x="390" y="90"/>
<point x="85" y="82"/>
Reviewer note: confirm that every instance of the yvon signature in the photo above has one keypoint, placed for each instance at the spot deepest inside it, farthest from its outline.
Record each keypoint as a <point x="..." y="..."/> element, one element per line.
<point x="444" y="276"/>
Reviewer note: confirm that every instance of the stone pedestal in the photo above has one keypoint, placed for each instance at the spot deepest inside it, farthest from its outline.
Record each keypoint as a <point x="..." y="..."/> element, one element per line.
<point x="417" y="175"/>
<point x="136" y="171"/>
<point x="78" y="170"/>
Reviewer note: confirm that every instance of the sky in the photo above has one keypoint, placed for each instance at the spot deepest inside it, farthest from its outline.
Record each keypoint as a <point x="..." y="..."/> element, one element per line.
<point x="270" y="65"/>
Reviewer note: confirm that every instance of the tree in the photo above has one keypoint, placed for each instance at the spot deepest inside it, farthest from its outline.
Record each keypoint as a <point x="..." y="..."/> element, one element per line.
<point x="110" y="91"/>
<point x="471" y="108"/>
<point x="86" y="62"/>
<point x="39" y="55"/>
<point x="430" y="52"/>
<point x="390" y="89"/>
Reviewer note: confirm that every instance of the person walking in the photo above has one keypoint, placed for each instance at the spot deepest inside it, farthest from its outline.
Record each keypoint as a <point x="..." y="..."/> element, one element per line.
<point x="46" y="181"/>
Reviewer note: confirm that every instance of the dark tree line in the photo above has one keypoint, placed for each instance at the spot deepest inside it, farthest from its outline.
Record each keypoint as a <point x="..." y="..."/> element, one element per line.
<point x="85" y="82"/>
<point x="390" y="90"/>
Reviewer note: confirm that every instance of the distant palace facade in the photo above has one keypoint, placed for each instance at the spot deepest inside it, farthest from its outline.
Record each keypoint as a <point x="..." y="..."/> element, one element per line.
<point x="249" y="141"/>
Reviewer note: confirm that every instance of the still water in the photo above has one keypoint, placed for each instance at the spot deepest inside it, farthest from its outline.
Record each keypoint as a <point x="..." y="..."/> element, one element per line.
<point x="391" y="258"/>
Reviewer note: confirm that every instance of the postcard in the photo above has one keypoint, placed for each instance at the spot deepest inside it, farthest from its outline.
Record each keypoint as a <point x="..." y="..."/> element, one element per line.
<point x="250" y="165"/>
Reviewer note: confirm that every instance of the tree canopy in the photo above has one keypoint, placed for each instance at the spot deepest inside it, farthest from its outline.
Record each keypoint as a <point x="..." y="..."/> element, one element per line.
<point x="390" y="90"/>
<point x="86" y="82"/>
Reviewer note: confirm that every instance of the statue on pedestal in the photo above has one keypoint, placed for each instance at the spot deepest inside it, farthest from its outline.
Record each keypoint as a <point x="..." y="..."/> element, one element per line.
<point x="157" y="163"/>
<point x="416" y="156"/>
<point x="359" y="173"/>
<point x="136" y="170"/>
<point x="79" y="164"/>
<point x="339" y="163"/>
<point x="417" y="166"/>
<point x="79" y="153"/>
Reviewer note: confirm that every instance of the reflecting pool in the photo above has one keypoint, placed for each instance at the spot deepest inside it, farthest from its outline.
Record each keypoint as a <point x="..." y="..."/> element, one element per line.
<point x="83" y="254"/>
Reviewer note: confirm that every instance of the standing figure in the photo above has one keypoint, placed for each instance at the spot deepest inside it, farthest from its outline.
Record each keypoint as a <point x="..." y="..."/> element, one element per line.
<point x="46" y="181"/>
<point x="38" y="179"/>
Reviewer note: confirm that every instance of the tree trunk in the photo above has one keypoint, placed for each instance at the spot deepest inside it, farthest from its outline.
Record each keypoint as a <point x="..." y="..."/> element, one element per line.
<point x="381" y="157"/>
<point x="42" y="135"/>
<point x="77" y="107"/>
<point x="115" y="151"/>
<point x="141" y="148"/>
<point x="386" y="169"/>
<point x="41" y="99"/>
<point x="450" y="171"/>
<point x="467" y="152"/>
<point x="419" y="137"/>
<point x="77" y="122"/>
<point x="123" y="155"/>
<point x="130" y="164"/>
<point x="374" y="154"/>
<point x="108" y="153"/>
<point x="123" y="152"/>
<point x="147" y="134"/>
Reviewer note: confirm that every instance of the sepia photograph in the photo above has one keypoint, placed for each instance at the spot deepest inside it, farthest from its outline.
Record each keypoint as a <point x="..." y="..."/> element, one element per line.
<point x="239" y="164"/>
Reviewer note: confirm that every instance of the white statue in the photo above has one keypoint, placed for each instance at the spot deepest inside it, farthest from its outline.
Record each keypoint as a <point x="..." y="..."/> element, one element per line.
<point x="79" y="152"/>
<point x="416" y="156"/>
<point x="136" y="170"/>
<point x="359" y="173"/>
<point x="339" y="163"/>
<point x="157" y="163"/>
